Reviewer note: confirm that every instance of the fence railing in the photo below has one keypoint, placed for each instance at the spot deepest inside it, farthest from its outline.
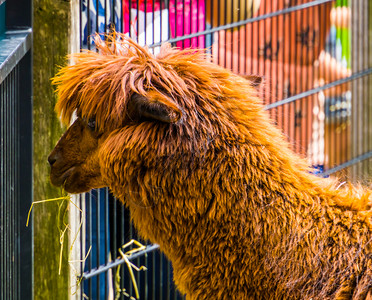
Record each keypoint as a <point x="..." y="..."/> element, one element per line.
<point x="16" y="264"/>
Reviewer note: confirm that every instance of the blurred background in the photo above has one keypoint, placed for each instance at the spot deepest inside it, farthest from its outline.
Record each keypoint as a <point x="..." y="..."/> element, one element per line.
<point x="315" y="58"/>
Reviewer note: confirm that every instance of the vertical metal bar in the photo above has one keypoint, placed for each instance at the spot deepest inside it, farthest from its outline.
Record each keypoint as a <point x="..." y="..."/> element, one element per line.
<point x="176" y="18"/>
<point x="8" y="183"/>
<point x="96" y="194"/>
<point x="105" y="16"/>
<point x="3" y="196"/>
<point x="301" y="112"/>
<point x="262" y="61"/>
<point x="3" y="160"/>
<point x="6" y="224"/>
<point x="90" y="257"/>
<point x="190" y="19"/>
<point x="244" y="71"/>
<point x="225" y="35"/>
<point x="291" y="61"/>
<point x="297" y="83"/>
<point x="154" y="278"/>
<point x="354" y="109"/>
<point x="271" y="63"/>
<point x="12" y="170"/>
<point x="122" y="242"/>
<point x="145" y="22"/>
<point x="167" y="4"/>
<point x="252" y="49"/>
<point x="313" y="102"/>
<point x="24" y="180"/>
<point x="360" y="86"/>
<point x="83" y="247"/>
<point x="161" y="267"/>
<point x="81" y="33"/>
<point x="2" y="207"/>
<point x="107" y="238"/>
<point x="331" y="119"/>
<point x="211" y="25"/>
<point x="237" y="43"/>
<point x="161" y="20"/>
<point x="348" y="120"/>
<point x="6" y="238"/>
<point x="285" y="71"/>
<point x="153" y="23"/>
<point x="169" y="282"/>
<point x="333" y="98"/>
<point x="3" y="185"/>
<point x="113" y="233"/>
<point x="197" y="23"/>
<point x="7" y="171"/>
<point x="279" y="64"/>
<point x="368" y="79"/>
<point x="10" y="166"/>
<point x="97" y="16"/>
<point x="137" y="22"/>
<point x="183" y="23"/>
<point x="366" y="105"/>
<point x="219" y="33"/>
<point x="112" y="17"/>
<point x="18" y="186"/>
<point x="130" y="16"/>
<point x="338" y="101"/>
<point x="88" y="25"/>
<point x="114" y="228"/>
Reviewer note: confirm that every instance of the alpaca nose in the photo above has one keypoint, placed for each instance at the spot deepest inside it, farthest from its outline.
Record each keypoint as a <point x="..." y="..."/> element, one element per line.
<point x="52" y="158"/>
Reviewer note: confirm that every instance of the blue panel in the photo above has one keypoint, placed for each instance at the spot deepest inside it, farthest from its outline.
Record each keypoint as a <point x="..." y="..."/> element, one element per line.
<point x="2" y="19"/>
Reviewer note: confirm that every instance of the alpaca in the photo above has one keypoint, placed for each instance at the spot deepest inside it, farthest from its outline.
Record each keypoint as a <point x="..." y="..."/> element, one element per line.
<point x="189" y="148"/>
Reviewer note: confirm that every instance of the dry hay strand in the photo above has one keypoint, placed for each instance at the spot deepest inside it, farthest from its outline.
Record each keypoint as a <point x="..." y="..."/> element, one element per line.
<point x="62" y="232"/>
<point x="126" y="256"/>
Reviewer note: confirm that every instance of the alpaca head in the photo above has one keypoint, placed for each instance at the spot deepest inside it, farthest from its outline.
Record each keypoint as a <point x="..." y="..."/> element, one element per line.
<point x="128" y="101"/>
<point x="74" y="162"/>
<point x="75" y="159"/>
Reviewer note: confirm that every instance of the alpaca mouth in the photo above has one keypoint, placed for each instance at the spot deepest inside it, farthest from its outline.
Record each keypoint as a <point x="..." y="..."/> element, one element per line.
<point x="61" y="180"/>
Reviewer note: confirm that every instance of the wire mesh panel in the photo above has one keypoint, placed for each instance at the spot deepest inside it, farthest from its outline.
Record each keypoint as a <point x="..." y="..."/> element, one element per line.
<point x="16" y="265"/>
<point x="315" y="62"/>
<point x="107" y="229"/>
<point x="9" y="162"/>
<point x="15" y="182"/>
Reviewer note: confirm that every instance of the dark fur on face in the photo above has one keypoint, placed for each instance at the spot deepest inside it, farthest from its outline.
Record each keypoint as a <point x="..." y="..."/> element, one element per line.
<point x="188" y="147"/>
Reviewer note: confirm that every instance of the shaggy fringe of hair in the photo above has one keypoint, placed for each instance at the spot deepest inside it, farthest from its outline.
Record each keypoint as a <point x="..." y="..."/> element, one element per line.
<point x="99" y="84"/>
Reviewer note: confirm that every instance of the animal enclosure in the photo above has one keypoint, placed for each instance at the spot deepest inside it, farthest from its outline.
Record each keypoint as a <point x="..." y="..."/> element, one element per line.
<point x="315" y="59"/>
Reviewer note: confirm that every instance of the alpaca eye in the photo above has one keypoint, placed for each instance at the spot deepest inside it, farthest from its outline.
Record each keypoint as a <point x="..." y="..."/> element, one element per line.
<point x="92" y="124"/>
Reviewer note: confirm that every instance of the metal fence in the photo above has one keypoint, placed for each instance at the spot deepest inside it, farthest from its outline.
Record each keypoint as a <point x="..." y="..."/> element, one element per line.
<point x="15" y="150"/>
<point x="315" y="59"/>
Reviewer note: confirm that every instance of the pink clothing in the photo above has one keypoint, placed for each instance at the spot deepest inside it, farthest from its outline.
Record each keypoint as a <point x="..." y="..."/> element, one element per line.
<point x="185" y="17"/>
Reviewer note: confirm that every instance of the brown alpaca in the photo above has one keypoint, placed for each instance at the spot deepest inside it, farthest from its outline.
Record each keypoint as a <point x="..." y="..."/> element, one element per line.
<point x="188" y="147"/>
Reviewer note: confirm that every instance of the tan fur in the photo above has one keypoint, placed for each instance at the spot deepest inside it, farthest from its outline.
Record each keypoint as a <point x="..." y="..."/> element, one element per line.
<point x="213" y="183"/>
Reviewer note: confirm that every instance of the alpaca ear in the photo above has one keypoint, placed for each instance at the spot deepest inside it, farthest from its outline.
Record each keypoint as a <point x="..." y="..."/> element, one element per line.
<point x="154" y="107"/>
<point x="255" y="80"/>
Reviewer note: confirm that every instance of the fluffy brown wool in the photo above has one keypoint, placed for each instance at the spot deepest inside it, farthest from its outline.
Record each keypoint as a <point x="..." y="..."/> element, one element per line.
<point x="188" y="147"/>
